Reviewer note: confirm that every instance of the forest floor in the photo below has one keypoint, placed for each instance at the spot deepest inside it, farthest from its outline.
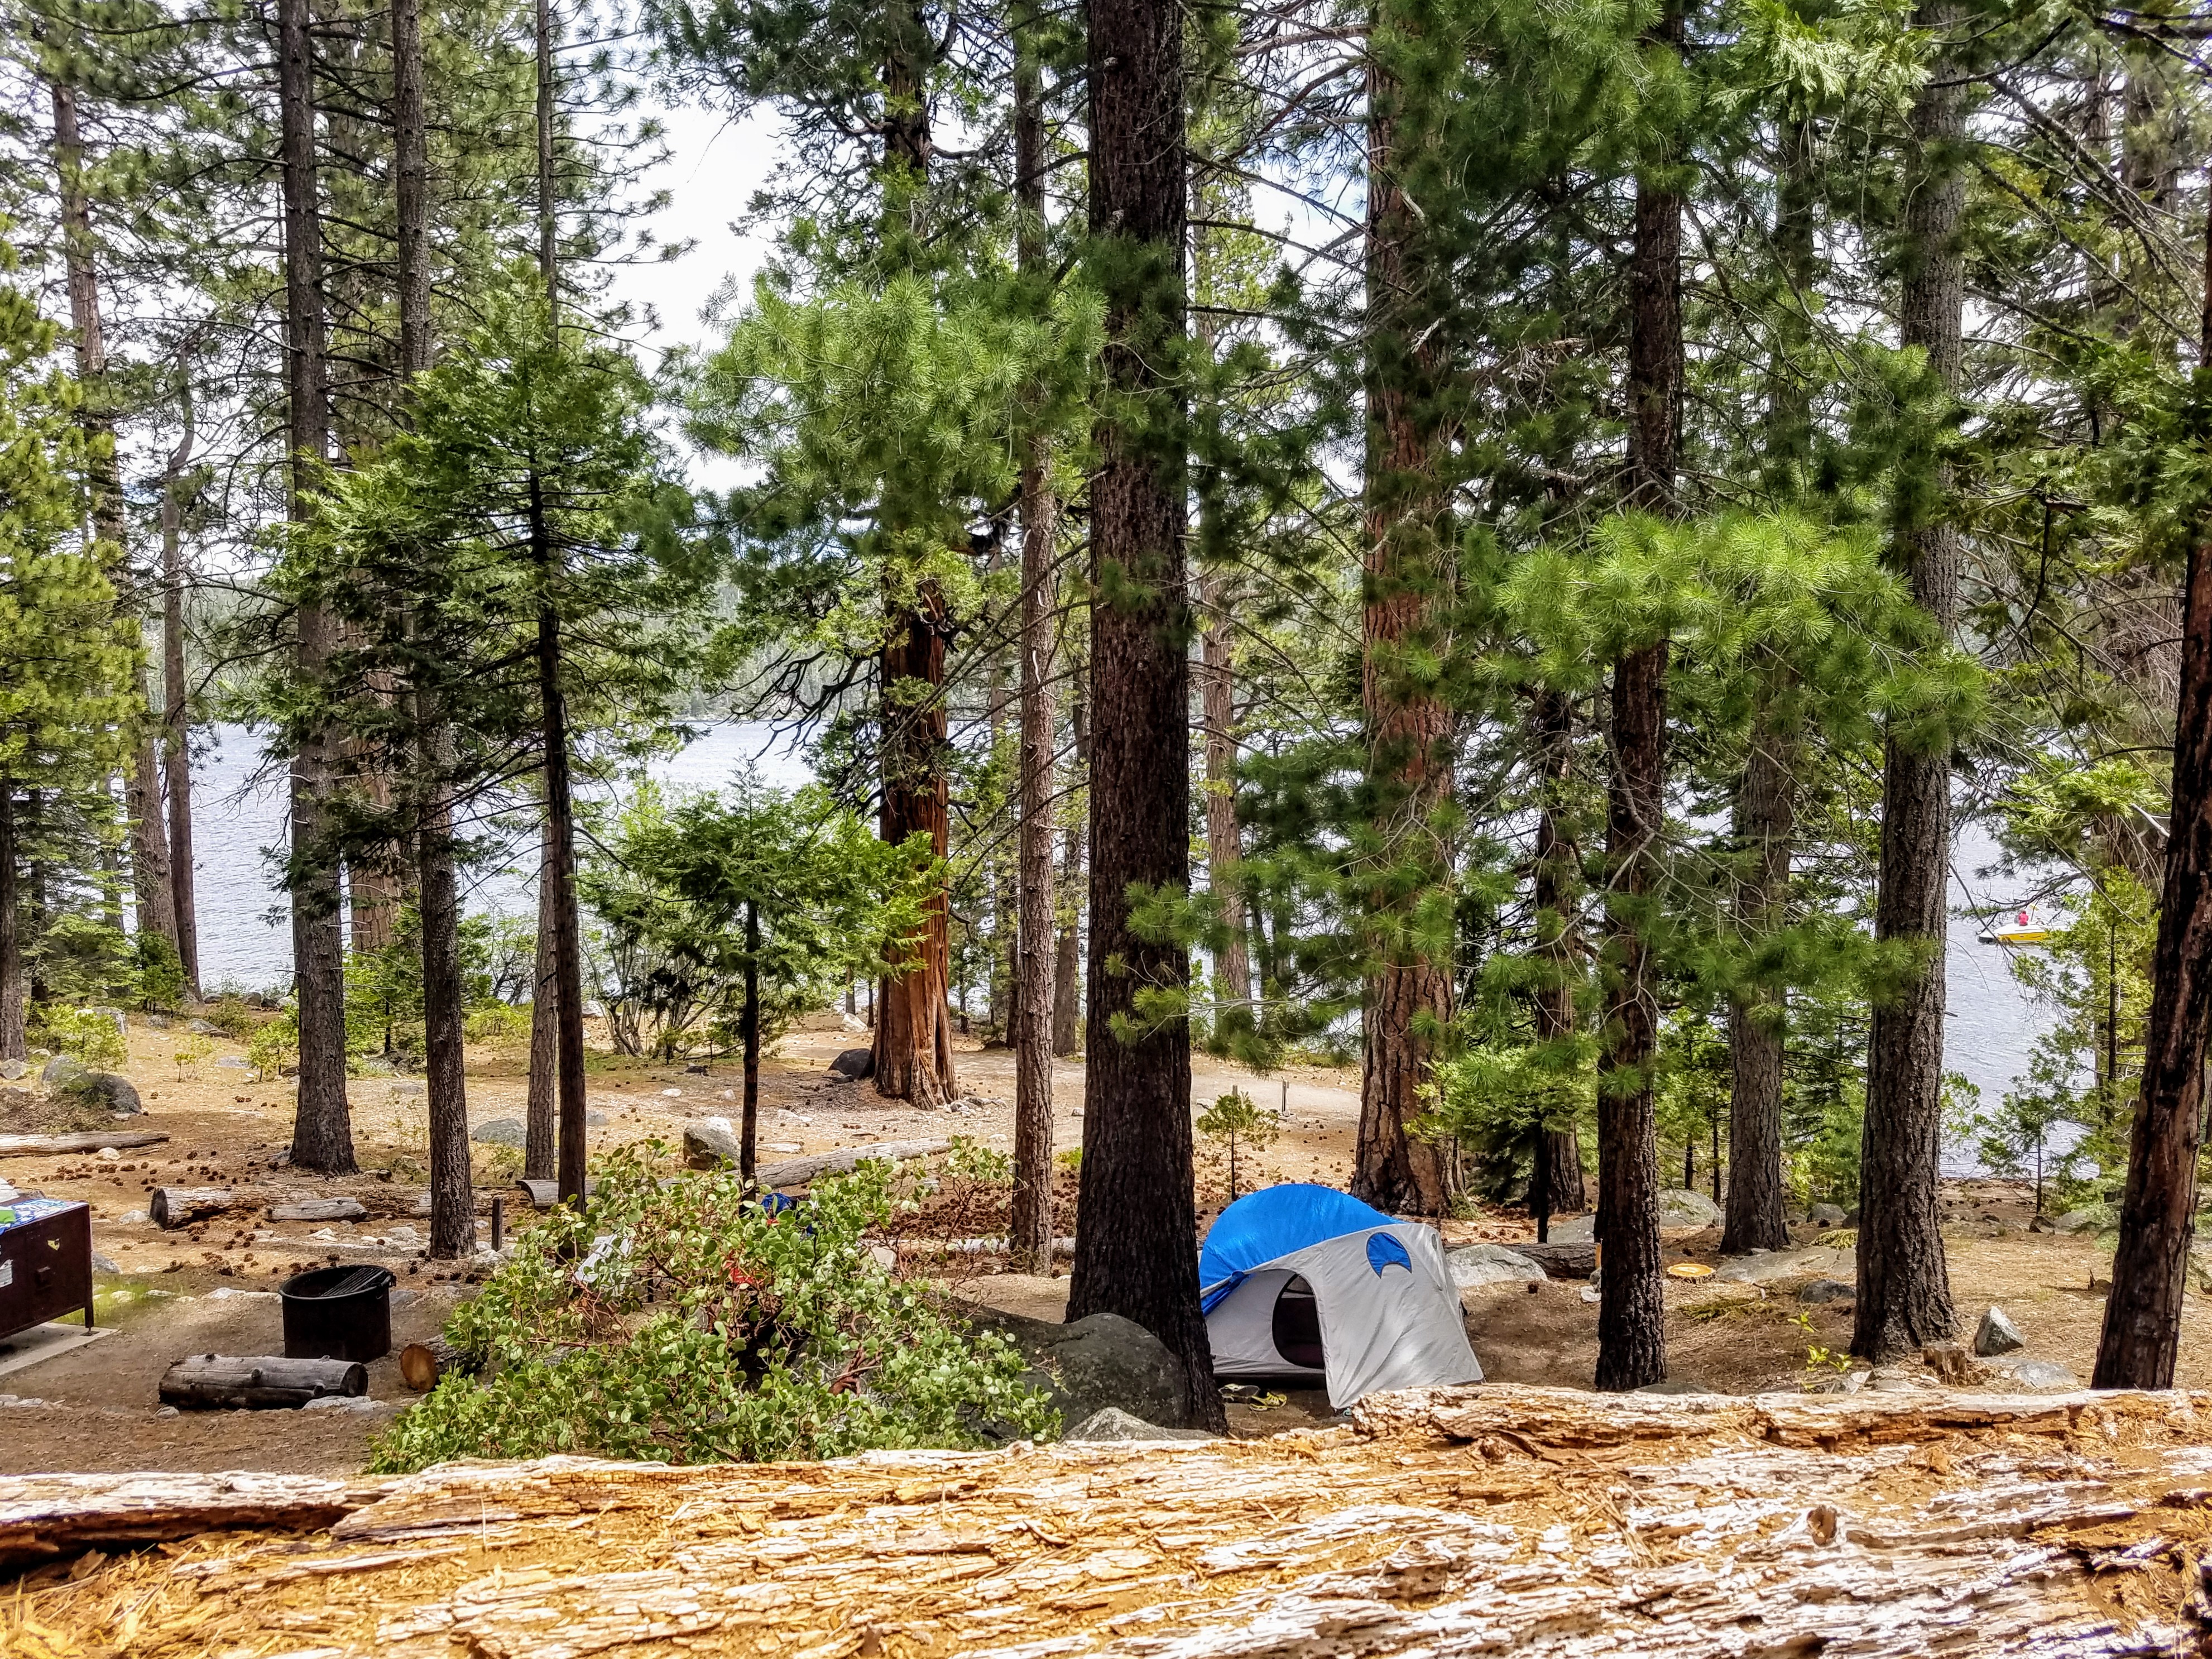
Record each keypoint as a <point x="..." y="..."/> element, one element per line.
<point x="211" y="1288"/>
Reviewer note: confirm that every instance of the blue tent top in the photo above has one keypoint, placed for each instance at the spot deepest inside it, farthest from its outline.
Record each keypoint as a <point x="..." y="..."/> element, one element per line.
<point x="1262" y="1225"/>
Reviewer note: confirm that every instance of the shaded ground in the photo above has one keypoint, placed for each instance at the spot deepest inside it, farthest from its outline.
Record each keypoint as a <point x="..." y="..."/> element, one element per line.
<point x="168" y="1290"/>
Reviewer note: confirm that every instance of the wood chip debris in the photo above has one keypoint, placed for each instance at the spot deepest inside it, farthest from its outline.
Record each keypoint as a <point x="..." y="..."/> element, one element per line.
<point x="1481" y="1520"/>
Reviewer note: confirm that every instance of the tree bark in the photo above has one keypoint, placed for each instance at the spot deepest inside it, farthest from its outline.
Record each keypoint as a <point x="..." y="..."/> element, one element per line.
<point x="1137" y="1254"/>
<point x="1555" y="1180"/>
<point x="1903" y="1282"/>
<point x="215" y="1380"/>
<point x="549" y="223"/>
<point x="452" y="1203"/>
<point x="1067" y="946"/>
<point x="410" y="145"/>
<point x="913" y="1030"/>
<point x="322" y="1131"/>
<point x="749" y="1125"/>
<point x="1766" y="807"/>
<point x="542" y="1112"/>
<point x="1632" y="1309"/>
<point x="2150" y="1266"/>
<point x="176" y="701"/>
<point x="560" y="872"/>
<point x="1409" y="726"/>
<point x="1030" y="1223"/>
<point x="11" y="943"/>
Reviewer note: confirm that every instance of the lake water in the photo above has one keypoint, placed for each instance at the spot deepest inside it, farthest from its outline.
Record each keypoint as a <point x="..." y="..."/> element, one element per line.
<point x="245" y="941"/>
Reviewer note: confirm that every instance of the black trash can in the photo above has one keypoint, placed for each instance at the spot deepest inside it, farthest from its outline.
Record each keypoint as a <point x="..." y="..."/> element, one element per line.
<point x="338" y="1313"/>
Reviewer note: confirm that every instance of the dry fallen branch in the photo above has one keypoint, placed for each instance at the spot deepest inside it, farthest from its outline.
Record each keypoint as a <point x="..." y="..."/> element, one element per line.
<point x="1902" y="1525"/>
<point x="93" y="1141"/>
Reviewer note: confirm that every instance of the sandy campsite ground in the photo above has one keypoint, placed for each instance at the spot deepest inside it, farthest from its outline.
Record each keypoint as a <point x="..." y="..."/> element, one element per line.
<point x="210" y="1288"/>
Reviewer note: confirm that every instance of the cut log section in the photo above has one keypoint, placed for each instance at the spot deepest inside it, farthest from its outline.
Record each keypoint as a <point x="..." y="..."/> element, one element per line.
<point x="320" y="1209"/>
<point x="1654" y="1527"/>
<point x="421" y="1365"/>
<point x="264" y="1382"/>
<point x="91" y="1141"/>
<point x="180" y="1207"/>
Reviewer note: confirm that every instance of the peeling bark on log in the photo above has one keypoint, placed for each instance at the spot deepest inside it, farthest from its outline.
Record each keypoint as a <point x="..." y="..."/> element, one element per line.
<point x="93" y="1141"/>
<point x="1572" y="1526"/>
<point x="43" y="1516"/>
<point x="320" y="1209"/>
<point x="180" y="1207"/>
<point x="260" y="1382"/>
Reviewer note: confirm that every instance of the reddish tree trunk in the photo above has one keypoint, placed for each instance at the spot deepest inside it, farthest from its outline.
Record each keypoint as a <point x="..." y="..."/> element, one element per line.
<point x="1766" y="807"/>
<point x="1556" y="1184"/>
<point x="914" y="1028"/>
<point x="1406" y="588"/>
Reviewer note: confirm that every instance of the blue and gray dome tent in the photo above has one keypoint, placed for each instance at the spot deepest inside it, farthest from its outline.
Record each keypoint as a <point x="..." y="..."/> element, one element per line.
<point x="1308" y="1284"/>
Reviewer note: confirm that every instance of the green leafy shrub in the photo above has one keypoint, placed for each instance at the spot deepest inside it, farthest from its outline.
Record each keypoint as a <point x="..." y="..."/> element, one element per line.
<point x="497" y="1023"/>
<point x="274" y="1046"/>
<point x="682" y="1323"/>
<point x="160" y="971"/>
<point x="85" y="1034"/>
<point x="229" y="1015"/>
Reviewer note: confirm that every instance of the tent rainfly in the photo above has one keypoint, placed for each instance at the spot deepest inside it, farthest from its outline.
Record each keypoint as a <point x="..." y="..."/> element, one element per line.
<point x="1306" y="1283"/>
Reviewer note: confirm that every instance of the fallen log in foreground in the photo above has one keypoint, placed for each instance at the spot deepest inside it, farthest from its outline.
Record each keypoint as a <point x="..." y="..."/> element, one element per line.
<point x="91" y="1140"/>
<point x="43" y="1516"/>
<point x="1535" y="1521"/>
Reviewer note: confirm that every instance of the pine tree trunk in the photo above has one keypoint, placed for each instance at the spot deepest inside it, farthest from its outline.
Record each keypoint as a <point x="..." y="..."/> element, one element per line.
<point x="1136" y="1250"/>
<point x="1632" y="1330"/>
<point x="1766" y="821"/>
<point x="2150" y="1266"/>
<point x="154" y="906"/>
<point x="542" y="1112"/>
<point x="1224" y="843"/>
<point x="176" y="701"/>
<point x="1903" y="1282"/>
<point x="452" y="1203"/>
<point x="914" y="1027"/>
<point x="561" y="873"/>
<point x="1029" y="1233"/>
<point x="1409" y="736"/>
<point x="748" y="1119"/>
<point x="1558" y="1167"/>
<point x="322" y="1132"/>
<point x="1068" y="947"/>
<point x="12" y="1041"/>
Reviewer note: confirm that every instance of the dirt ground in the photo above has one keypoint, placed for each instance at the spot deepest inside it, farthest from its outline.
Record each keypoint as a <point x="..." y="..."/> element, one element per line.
<point x="209" y="1288"/>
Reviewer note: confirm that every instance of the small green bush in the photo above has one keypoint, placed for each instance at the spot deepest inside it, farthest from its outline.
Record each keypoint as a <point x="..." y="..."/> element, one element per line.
<point x="496" y="1022"/>
<point x="85" y="1034"/>
<point x="274" y="1046"/>
<point x="229" y="1015"/>
<point x="160" y="971"/>
<point x="683" y="1323"/>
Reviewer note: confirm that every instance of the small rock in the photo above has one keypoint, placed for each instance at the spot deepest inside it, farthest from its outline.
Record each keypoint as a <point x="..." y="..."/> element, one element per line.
<point x="166" y="1411"/>
<point x="1112" y="1423"/>
<point x="64" y="1071"/>
<point x="709" y="1144"/>
<point x="1894" y="1379"/>
<point x="1823" y="1291"/>
<point x="2043" y="1374"/>
<point x="856" y="1065"/>
<point x="594" y="1010"/>
<point x="407" y="1089"/>
<point x="1997" y="1335"/>
<point x="101" y="1264"/>
<point x="12" y="1069"/>
<point x="204" y="1028"/>
<point x="695" y="1071"/>
<point x="1851" y="1216"/>
<point x="1476" y="1265"/>
<point x="1681" y="1207"/>
<point x="502" y="1132"/>
<point x="1575" y="1230"/>
<point x="233" y="1063"/>
<point x="157" y="1022"/>
<point x="1825" y="1215"/>
<point x="2079" y="1221"/>
<point x="131" y="1217"/>
<point x="117" y="1093"/>
<point x="345" y="1402"/>
<point x="594" y="1120"/>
